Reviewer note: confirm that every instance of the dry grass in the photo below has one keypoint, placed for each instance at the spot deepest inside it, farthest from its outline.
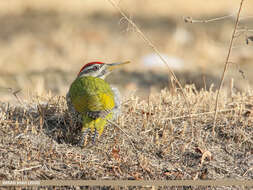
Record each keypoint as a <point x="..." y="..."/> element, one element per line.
<point x="38" y="140"/>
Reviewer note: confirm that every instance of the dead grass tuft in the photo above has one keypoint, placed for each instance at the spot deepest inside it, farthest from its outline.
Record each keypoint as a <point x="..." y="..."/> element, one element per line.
<point x="38" y="140"/>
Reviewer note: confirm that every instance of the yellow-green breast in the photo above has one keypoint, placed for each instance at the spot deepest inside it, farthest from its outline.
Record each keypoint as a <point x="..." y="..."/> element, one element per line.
<point x="91" y="94"/>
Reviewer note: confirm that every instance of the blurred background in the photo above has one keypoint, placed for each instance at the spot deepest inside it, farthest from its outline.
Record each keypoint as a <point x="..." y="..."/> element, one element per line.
<point x="43" y="44"/>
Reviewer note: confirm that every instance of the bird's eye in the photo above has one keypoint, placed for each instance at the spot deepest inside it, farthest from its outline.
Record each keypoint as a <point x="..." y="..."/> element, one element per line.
<point x="95" y="68"/>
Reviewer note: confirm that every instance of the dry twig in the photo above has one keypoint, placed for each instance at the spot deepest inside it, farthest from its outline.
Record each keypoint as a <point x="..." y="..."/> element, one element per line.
<point x="145" y="39"/>
<point x="226" y="65"/>
<point x="129" y="138"/>
<point x="191" y="20"/>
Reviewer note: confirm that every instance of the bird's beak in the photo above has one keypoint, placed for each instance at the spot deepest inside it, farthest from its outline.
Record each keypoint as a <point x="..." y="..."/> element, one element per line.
<point x="113" y="66"/>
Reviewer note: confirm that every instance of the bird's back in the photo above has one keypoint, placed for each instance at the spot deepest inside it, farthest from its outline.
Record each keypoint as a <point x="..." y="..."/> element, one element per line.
<point x="91" y="94"/>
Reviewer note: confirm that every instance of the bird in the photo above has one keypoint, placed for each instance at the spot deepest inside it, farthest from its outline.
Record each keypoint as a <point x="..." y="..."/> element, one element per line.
<point x="92" y="101"/>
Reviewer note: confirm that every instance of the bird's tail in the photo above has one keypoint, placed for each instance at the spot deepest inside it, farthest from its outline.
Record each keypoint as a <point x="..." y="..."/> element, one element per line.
<point x="94" y="126"/>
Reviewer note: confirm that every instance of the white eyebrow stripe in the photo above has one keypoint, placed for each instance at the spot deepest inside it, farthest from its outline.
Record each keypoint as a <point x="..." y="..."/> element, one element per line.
<point x="88" y="68"/>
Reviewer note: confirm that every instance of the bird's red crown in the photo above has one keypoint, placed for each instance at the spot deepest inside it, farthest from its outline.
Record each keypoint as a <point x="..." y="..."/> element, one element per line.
<point x="89" y="64"/>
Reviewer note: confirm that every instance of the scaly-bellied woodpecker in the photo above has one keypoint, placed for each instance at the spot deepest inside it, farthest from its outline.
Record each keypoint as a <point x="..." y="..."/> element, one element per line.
<point x="92" y="100"/>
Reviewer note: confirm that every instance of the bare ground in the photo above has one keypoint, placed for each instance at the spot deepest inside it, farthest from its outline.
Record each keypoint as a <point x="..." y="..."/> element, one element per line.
<point x="38" y="140"/>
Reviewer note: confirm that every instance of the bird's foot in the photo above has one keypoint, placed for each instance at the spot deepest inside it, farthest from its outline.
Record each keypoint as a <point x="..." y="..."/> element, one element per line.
<point x="97" y="114"/>
<point x="83" y="141"/>
<point x="94" y="136"/>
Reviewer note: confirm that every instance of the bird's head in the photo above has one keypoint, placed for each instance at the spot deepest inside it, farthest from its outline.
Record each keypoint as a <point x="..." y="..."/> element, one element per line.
<point x="99" y="69"/>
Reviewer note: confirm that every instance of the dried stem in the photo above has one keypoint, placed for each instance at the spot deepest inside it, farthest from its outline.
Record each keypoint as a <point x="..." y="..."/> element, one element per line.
<point x="191" y="20"/>
<point x="145" y="39"/>
<point x="199" y="114"/>
<point x="226" y="66"/>
<point x="128" y="136"/>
